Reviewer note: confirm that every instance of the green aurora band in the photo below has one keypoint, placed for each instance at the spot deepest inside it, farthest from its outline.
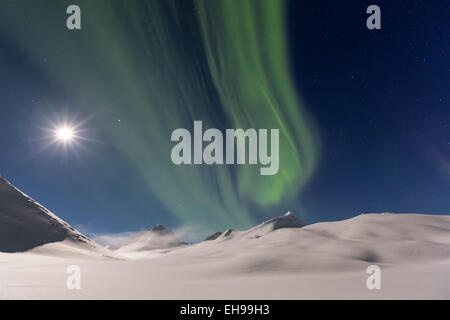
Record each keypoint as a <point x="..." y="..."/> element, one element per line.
<point x="161" y="65"/>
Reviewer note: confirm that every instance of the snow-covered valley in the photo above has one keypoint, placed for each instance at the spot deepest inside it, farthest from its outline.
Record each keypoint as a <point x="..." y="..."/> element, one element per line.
<point x="280" y="259"/>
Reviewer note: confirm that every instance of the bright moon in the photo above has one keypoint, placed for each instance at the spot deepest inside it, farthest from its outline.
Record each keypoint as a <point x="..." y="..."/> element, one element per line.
<point x="64" y="134"/>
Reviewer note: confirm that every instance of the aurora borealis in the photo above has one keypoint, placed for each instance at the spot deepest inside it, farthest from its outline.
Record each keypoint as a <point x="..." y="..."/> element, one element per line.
<point x="169" y="63"/>
<point x="161" y="65"/>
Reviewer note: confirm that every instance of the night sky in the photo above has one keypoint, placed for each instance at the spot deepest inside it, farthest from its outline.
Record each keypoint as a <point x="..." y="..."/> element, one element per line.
<point x="368" y="110"/>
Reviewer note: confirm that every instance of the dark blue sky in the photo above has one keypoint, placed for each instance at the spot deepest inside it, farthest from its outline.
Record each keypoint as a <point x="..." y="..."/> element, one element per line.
<point x="381" y="100"/>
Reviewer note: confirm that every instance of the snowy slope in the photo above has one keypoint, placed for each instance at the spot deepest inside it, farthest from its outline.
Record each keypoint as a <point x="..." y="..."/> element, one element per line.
<point x="25" y="224"/>
<point x="289" y="220"/>
<point x="319" y="261"/>
<point x="385" y="239"/>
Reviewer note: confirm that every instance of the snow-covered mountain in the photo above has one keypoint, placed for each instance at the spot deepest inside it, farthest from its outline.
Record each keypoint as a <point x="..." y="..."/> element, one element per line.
<point x="214" y="236"/>
<point x="25" y="224"/>
<point x="157" y="237"/>
<point x="287" y="221"/>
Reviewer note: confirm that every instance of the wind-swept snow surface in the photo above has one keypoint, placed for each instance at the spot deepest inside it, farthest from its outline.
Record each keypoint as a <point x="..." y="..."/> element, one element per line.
<point x="280" y="259"/>
<point x="325" y="260"/>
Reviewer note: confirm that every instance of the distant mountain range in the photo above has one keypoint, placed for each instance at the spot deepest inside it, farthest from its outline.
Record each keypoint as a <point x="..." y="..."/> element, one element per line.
<point x="25" y="224"/>
<point x="159" y="237"/>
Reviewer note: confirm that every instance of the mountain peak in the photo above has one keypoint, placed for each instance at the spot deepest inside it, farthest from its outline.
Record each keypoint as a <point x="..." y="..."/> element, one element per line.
<point x="25" y="224"/>
<point x="288" y="220"/>
<point x="158" y="237"/>
<point x="158" y="228"/>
